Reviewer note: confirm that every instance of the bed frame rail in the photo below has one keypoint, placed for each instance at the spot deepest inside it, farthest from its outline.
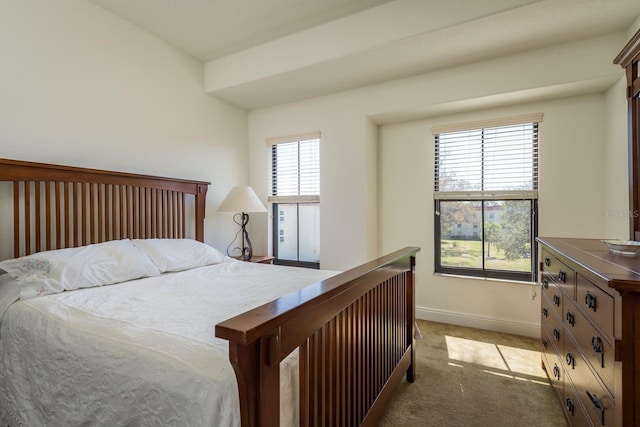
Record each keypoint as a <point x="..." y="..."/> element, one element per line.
<point x="62" y="206"/>
<point x="355" y="332"/>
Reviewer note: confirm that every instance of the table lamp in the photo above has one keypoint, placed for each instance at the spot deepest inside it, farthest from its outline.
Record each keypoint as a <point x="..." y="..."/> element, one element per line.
<point x="242" y="200"/>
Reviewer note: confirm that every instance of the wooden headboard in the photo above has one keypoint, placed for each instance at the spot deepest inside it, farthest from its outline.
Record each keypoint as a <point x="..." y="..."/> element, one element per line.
<point x="58" y="207"/>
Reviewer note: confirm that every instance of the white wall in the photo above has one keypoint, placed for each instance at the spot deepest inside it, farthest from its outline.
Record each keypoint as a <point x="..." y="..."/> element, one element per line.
<point x="616" y="210"/>
<point x="572" y="181"/>
<point x="79" y="86"/>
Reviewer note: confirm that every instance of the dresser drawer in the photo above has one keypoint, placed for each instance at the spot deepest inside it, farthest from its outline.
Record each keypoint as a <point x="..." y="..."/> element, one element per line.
<point x="553" y="366"/>
<point x="576" y="413"/>
<point x="552" y="324"/>
<point x="593" y="345"/>
<point x="560" y="273"/>
<point x="597" y="304"/>
<point x="597" y="401"/>
<point x="552" y="292"/>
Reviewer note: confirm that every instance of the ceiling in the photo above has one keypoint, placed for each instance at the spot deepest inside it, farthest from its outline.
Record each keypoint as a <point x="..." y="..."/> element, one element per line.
<point x="326" y="46"/>
<point x="210" y="29"/>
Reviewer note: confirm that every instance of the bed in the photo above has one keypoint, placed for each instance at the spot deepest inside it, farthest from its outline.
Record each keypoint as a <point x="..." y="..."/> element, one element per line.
<point x="135" y="345"/>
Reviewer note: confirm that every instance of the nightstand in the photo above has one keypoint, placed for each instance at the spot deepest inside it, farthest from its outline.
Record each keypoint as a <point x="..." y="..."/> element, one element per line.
<point x="262" y="259"/>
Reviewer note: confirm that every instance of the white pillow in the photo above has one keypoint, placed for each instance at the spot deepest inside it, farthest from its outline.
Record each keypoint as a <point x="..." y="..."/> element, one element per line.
<point x="179" y="254"/>
<point x="100" y="264"/>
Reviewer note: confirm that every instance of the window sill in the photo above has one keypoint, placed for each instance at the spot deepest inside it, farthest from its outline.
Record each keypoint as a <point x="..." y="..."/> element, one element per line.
<point x="484" y="279"/>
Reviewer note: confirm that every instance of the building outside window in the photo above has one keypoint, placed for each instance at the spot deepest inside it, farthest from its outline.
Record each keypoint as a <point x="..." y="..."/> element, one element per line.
<point x="485" y="197"/>
<point x="295" y="199"/>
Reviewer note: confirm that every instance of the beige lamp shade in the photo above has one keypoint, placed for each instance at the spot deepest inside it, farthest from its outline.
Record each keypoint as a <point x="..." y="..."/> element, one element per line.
<point x="241" y="199"/>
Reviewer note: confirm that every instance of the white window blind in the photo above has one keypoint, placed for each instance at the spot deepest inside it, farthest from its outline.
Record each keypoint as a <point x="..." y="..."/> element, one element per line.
<point x="295" y="171"/>
<point x="489" y="163"/>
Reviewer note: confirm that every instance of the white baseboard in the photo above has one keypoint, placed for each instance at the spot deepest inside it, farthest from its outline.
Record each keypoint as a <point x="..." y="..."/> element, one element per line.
<point x="472" y="321"/>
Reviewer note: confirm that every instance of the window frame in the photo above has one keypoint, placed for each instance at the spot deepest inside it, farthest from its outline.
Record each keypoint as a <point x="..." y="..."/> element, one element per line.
<point x="298" y="200"/>
<point x="283" y="261"/>
<point x="482" y="197"/>
<point x="485" y="272"/>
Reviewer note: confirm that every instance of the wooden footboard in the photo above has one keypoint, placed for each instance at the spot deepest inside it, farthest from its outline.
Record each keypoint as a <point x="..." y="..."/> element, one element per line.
<point x="355" y="333"/>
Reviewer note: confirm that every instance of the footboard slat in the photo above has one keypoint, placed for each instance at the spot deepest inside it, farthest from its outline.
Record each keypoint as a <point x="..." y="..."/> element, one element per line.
<point x="376" y="321"/>
<point x="355" y="334"/>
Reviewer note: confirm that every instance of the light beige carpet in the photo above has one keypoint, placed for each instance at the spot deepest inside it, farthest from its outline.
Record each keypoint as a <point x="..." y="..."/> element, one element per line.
<point x="472" y="377"/>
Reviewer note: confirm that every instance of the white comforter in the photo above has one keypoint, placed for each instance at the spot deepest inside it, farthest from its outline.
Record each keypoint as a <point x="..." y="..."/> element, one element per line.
<point x="140" y="353"/>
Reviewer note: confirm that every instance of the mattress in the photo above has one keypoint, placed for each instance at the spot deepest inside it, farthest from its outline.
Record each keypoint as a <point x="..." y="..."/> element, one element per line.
<point x="141" y="352"/>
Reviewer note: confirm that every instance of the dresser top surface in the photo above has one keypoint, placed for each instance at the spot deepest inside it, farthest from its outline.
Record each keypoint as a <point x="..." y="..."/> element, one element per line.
<point x="621" y="272"/>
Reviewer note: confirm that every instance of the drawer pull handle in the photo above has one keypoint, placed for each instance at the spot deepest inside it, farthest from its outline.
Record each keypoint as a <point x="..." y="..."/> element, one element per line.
<point x="571" y="361"/>
<point x="570" y="406"/>
<point x="556" y="334"/>
<point x="545" y="284"/>
<point x="556" y="372"/>
<point x="547" y="261"/>
<point x="597" y="405"/>
<point x="571" y="318"/>
<point x="598" y="350"/>
<point x="545" y="312"/>
<point x="544" y="343"/>
<point x="562" y="276"/>
<point x="556" y="299"/>
<point x="590" y="301"/>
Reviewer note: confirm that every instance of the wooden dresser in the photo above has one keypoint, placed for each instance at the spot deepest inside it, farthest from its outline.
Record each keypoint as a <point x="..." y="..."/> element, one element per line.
<point x="590" y="330"/>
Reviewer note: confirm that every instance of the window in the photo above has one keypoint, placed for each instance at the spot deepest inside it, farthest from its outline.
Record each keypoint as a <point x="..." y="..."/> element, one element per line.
<point x="295" y="199"/>
<point x="485" y="194"/>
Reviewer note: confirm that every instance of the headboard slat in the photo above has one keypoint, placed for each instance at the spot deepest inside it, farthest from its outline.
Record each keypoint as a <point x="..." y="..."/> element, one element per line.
<point x="142" y="214"/>
<point x="67" y="215"/>
<point x="38" y="217"/>
<point x="84" y="189"/>
<point x="147" y="212"/>
<point x="74" y="196"/>
<point x="113" y="220"/>
<point x="16" y="214"/>
<point x="165" y="216"/>
<point x="92" y="213"/>
<point x="27" y="215"/>
<point x="135" y="212"/>
<point x="158" y="210"/>
<point x="47" y="214"/>
<point x="58" y="207"/>
<point x="172" y="213"/>
<point x="58" y="202"/>
<point x="121" y="211"/>
<point x="182" y="206"/>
